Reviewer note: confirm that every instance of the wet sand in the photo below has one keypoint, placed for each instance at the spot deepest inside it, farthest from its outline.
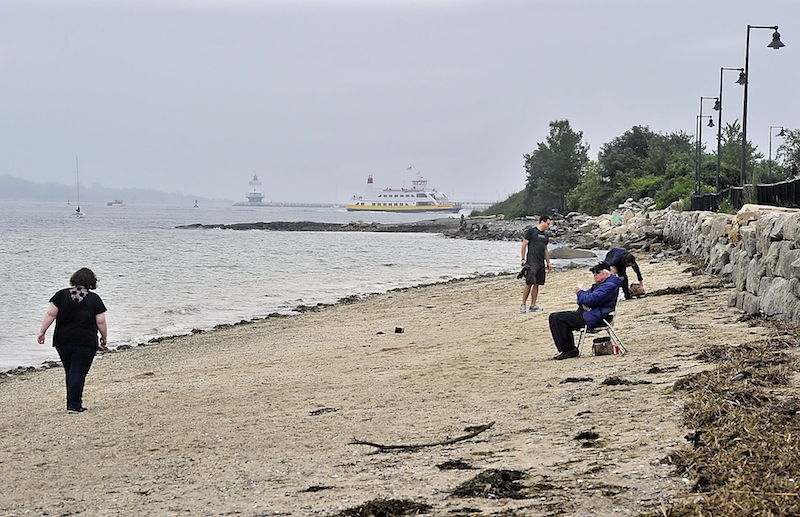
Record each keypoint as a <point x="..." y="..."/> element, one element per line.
<point x="258" y="419"/>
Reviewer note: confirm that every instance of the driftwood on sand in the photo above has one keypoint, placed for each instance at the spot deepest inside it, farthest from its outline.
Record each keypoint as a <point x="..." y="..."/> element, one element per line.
<point x="474" y="431"/>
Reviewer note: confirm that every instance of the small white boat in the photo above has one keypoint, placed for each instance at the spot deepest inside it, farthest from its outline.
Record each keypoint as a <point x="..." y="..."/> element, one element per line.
<point x="418" y="198"/>
<point x="116" y="202"/>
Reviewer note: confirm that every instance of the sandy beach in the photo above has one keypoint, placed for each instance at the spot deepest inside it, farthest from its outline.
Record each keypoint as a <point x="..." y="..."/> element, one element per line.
<point x="258" y="419"/>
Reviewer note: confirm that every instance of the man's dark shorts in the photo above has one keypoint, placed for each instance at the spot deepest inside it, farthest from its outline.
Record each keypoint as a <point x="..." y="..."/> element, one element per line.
<point x="535" y="276"/>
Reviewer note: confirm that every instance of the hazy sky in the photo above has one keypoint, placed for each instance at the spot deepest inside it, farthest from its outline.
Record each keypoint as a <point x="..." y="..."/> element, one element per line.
<point x="194" y="96"/>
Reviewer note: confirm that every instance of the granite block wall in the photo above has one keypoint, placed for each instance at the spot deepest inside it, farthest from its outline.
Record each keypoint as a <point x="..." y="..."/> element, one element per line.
<point x="759" y="247"/>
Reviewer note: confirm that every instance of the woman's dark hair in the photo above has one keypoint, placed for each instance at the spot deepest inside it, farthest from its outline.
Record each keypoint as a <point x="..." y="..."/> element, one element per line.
<point x="85" y="277"/>
<point x="628" y="260"/>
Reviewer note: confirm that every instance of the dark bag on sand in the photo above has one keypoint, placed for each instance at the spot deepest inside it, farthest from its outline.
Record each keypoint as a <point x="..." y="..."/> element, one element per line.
<point x="637" y="290"/>
<point x="603" y="346"/>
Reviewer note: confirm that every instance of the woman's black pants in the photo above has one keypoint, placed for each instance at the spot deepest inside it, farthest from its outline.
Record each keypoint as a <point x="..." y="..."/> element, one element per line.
<point x="76" y="360"/>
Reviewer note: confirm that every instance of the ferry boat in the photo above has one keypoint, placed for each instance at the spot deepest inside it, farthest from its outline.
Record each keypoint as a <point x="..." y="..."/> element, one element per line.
<point x="255" y="196"/>
<point x="418" y="198"/>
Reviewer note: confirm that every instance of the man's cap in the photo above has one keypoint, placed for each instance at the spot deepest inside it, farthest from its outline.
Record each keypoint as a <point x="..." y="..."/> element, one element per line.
<point x="600" y="267"/>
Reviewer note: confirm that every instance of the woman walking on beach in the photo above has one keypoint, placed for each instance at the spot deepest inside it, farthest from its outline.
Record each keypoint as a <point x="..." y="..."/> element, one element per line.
<point x="79" y="314"/>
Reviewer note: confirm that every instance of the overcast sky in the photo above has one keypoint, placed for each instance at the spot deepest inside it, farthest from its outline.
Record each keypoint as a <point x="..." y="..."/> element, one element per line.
<point x="194" y="96"/>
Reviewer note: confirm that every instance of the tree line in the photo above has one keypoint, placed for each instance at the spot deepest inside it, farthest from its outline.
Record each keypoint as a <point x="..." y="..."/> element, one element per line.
<point x="639" y="163"/>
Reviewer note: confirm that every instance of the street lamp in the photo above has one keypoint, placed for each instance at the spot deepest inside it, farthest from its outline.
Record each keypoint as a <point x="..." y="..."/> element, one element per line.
<point x="775" y="44"/>
<point x="782" y="133"/>
<point x="718" y="107"/>
<point x="698" y="137"/>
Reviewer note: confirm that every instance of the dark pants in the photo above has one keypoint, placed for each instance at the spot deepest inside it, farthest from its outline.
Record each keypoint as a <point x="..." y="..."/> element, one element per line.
<point x="76" y="360"/>
<point x="626" y="285"/>
<point x="562" y="324"/>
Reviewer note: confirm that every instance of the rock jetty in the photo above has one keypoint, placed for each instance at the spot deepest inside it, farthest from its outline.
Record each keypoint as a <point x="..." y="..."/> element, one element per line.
<point x="439" y="225"/>
<point x="634" y="225"/>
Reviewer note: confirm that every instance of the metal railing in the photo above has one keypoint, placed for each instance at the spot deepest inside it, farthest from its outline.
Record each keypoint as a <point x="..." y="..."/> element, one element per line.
<point x="784" y="193"/>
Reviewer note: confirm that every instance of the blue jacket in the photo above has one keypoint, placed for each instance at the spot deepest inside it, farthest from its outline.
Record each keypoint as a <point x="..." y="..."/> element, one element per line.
<point x="602" y="298"/>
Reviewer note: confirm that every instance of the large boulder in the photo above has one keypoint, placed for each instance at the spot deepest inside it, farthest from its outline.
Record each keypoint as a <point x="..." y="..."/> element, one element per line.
<point x="566" y="252"/>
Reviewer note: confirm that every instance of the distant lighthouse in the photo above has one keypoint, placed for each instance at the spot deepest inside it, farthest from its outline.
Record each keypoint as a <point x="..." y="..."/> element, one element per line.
<point x="255" y="195"/>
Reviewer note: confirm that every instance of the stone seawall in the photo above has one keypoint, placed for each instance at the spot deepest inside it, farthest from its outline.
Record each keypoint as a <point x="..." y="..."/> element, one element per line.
<point x="758" y="247"/>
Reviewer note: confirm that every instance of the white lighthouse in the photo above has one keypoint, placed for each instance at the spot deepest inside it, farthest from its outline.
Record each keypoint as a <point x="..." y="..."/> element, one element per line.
<point x="255" y="196"/>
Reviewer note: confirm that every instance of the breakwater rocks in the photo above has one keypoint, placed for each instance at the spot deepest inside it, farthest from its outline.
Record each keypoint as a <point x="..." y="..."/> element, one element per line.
<point x="634" y="225"/>
<point x="758" y="247"/>
<point x="440" y="225"/>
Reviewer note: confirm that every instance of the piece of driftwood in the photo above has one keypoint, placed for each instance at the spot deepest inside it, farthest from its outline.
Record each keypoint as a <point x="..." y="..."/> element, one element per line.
<point x="473" y="432"/>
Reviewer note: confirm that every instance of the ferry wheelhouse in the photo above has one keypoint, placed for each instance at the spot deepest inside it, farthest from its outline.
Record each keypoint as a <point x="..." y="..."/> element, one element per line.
<point x="418" y="198"/>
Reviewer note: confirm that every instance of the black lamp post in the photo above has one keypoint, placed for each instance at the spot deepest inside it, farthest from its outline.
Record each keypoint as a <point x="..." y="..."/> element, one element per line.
<point x="699" y="138"/>
<point x="718" y="107"/>
<point x="775" y="44"/>
<point x="781" y="133"/>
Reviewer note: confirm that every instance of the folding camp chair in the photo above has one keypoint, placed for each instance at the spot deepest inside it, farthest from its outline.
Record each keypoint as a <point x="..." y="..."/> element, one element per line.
<point x="608" y="326"/>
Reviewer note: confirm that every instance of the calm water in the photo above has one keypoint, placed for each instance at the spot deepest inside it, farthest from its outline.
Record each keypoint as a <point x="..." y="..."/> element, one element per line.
<point x="157" y="280"/>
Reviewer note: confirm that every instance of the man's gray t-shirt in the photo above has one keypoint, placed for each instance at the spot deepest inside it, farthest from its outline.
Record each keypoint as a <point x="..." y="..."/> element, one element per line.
<point x="537" y="247"/>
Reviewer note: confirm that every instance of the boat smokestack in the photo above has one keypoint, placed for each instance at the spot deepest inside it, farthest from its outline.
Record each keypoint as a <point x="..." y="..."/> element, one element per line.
<point x="369" y="179"/>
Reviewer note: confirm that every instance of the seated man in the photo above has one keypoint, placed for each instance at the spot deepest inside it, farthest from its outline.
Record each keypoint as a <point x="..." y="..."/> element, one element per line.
<point x="594" y="303"/>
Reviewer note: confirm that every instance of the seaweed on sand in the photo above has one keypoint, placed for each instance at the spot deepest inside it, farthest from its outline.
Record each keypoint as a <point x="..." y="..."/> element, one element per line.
<point x="493" y="483"/>
<point x="744" y="451"/>
<point x="386" y="508"/>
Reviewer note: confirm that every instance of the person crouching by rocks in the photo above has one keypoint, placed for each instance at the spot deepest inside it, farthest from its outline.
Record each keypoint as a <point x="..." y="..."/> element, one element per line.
<point x="620" y="260"/>
<point x="594" y="304"/>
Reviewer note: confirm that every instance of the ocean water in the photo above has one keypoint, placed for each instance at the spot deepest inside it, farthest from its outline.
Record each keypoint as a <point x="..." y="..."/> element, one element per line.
<point x="157" y="280"/>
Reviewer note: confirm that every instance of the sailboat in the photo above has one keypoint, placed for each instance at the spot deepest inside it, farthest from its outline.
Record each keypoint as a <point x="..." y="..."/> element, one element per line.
<point x="78" y="212"/>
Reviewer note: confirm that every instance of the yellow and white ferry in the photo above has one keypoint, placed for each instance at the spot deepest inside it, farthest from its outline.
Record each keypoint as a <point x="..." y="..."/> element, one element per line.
<point x="418" y="198"/>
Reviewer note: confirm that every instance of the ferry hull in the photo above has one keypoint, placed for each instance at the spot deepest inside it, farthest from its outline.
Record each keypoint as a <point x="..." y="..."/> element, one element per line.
<point x="448" y="209"/>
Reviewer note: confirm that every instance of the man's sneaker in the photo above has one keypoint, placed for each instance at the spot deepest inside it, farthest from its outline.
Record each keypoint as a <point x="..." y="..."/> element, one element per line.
<point x="522" y="309"/>
<point x="75" y="411"/>
<point x="535" y="308"/>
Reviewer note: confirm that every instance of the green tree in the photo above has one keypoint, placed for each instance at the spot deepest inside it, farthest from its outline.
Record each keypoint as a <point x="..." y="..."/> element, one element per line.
<point x="624" y="157"/>
<point x="592" y="193"/>
<point x="789" y="152"/>
<point x="512" y="207"/>
<point x="730" y="156"/>
<point x="554" y="168"/>
<point x="667" y="154"/>
<point x="639" y="163"/>
<point x="642" y="163"/>
<point x="679" y="188"/>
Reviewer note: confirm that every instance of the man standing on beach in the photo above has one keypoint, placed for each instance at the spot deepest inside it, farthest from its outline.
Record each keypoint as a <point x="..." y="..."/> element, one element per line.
<point x="535" y="255"/>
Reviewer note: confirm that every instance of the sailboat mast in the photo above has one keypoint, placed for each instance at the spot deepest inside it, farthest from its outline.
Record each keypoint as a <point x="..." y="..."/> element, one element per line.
<point x="78" y="189"/>
<point x="78" y="183"/>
